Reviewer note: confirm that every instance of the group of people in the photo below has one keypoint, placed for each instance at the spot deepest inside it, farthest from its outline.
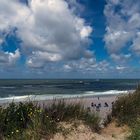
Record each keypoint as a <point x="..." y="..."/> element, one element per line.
<point x="99" y="105"/>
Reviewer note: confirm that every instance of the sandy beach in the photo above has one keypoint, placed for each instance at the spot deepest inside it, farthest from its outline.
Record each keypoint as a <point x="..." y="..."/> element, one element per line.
<point x="102" y="105"/>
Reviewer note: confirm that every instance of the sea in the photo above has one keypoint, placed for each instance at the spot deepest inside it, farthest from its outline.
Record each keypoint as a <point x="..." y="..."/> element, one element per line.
<point x="46" y="89"/>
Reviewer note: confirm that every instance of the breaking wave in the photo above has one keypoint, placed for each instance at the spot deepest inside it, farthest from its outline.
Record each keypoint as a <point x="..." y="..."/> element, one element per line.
<point x="63" y="96"/>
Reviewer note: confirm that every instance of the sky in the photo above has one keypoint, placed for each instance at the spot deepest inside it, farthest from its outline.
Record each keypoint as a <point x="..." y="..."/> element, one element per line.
<point x="69" y="39"/>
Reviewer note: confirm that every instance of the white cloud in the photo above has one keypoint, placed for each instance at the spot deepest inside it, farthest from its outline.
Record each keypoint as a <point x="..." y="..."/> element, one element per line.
<point x="8" y="58"/>
<point x="85" y="32"/>
<point x="12" y="13"/>
<point x="116" y="39"/>
<point x="120" y="58"/>
<point x="49" y="30"/>
<point x="136" y="44"/>
<point x="87" y="65"/>
<point x="120" y="68"/>
<point x="67" y="68"/>
<point x="38" y="59"/>
<point x="123" y="25"/>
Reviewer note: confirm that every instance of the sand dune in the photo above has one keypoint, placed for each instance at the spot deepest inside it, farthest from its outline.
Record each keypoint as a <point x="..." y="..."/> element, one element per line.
<point x="82" y="132"/>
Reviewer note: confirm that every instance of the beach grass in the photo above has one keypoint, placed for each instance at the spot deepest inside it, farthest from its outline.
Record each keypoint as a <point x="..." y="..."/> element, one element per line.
<point x="127" y="111"/>
<point x="29" y="120"/>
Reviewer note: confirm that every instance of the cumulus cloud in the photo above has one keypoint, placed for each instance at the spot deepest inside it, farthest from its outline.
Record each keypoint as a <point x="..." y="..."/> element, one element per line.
<point x="12" y="13"/>
<point x="121" y="68"/>
<point x="49" y="30"/>
<point x="136" y="44"/>
<point x="86" y="65"/>
<point x="8" y="59"/>
<point x="38" y="59"/>
<point x="120" y="58"/>
<point x="123" y="25"/>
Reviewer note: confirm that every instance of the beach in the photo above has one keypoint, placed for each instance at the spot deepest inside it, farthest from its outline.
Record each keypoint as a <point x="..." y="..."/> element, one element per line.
<point x="88" y="102"/>
<point x="101" y="105"/>
<point x="95" y="96"/>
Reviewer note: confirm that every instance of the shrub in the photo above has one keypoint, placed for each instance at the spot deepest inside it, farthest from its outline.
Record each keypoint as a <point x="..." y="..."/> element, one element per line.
<point x="127" y="108"/>
<point x="29" y="121"/>
<point x="68" y="112"/>
<point x="135" y="135"/>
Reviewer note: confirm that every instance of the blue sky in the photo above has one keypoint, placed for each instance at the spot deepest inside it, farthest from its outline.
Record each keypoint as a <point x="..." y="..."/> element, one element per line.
<point x="69" y="39"/>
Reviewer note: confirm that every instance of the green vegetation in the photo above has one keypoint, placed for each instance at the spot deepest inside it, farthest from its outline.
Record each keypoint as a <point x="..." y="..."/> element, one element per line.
<point x="24" y="121"/>
<point x="127" y="110"/>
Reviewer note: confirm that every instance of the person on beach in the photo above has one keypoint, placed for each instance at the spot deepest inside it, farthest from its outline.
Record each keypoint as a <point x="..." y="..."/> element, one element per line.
<point x="92" y="104"/>
<point x="106" y="104"/>
<point x="99" y="104"/>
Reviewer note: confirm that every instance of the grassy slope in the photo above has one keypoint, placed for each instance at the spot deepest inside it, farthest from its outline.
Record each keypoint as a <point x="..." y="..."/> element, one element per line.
<point x="26" y="121"/>
<point x="127" y="111"/>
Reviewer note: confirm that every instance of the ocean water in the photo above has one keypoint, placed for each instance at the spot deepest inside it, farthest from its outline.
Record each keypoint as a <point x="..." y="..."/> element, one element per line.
<point x="19" y="90"/>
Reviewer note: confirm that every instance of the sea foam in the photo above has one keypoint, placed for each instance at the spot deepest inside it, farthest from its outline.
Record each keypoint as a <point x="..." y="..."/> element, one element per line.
<point x="63" y="96"/>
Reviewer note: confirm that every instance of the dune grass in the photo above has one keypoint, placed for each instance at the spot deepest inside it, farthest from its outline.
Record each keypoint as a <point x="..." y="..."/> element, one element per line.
<point x="127" y="110"/>
<point x="24" y="121"/>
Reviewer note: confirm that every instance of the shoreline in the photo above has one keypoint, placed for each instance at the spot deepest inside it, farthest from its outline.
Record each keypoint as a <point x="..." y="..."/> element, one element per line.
<point x="101" y="104"/>
<point x="47" y="97"/>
